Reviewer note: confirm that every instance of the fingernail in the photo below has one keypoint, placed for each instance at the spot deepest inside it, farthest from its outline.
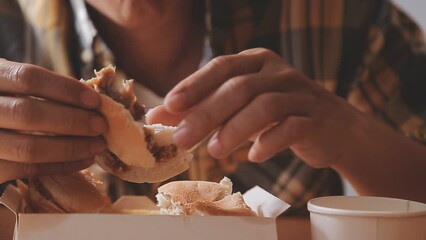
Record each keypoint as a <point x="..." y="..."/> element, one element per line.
<point x="252" y="155"/>
<point x="180" y="137"/>
<point x="90" y="99"/>
<point x="215" y="148"/>
<point x="148" y="115"/>
<point x="78" y="165"/>
<point x="86" y="163"/>
<point x="149" y="111"/>
<point x="175" y="102"/>
<point x="98" y="124"/>
<point x="97" y="147"/>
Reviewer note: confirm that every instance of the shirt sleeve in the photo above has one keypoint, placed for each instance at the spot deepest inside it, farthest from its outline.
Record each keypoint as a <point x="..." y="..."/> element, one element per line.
<point x="390" y="82"/>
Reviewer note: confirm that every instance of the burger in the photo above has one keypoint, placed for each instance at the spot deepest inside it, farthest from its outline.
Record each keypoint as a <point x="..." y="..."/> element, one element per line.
<point x="136" y="152"/>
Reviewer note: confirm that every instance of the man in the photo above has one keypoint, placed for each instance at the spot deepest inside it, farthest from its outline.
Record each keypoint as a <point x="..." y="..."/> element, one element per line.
<point x="367" y="52"/>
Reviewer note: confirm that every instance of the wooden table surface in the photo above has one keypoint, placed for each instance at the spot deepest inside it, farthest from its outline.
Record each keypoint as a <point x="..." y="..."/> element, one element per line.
<point x="287" y="228"/>
<point x="293" y="229"/>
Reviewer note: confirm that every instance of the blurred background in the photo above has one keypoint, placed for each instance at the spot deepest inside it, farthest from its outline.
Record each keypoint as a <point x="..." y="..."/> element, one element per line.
<point x="416" y="8"/>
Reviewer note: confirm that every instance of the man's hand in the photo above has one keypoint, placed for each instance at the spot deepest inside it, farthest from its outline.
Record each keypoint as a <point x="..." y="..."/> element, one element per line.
<point x="47" y="125"/>
<point x="256" y="95"/>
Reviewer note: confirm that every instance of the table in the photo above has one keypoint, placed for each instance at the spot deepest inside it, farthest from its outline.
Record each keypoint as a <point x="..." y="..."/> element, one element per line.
<point x="287" y="228"/>
<point x="294" y="229"/>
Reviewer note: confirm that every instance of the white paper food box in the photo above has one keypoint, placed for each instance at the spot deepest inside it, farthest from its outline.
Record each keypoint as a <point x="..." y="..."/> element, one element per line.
<point x="107" y="226"/>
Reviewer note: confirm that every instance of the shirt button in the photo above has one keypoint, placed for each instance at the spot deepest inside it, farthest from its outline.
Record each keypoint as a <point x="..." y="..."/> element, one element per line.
<point x="86" y="56"/>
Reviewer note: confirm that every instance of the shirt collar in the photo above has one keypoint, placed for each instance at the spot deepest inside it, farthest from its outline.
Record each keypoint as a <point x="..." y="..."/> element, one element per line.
<point x="83" y="24"/>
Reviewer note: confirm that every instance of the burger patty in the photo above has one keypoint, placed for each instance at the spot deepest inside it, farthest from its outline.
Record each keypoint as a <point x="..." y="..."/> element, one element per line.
<point x="105" y="84"/>
<point x="112" y="161"/>
<point x="160" y="153"/>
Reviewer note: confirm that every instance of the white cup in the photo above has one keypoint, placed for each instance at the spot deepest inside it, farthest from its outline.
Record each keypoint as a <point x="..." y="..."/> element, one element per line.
<point x="366" y="218"/>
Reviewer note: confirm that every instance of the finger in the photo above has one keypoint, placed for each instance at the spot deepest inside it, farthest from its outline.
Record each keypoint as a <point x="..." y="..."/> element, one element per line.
<point x="254" y="136"/>
<point x="216" y="109"/>
<point x="44" y="149"/>
<point x="263" y="111"/>
<point x="161" y="115"/>
<point x="31" y="80"/>
<point x="280" y="137"/>
<point x="233" y="95"/>
<point x="14" y="170"/>
<point x="29" y="114"/>
<point x="206" y="80"/>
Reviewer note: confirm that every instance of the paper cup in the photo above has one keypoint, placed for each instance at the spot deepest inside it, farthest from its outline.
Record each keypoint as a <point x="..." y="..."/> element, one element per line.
<point x="367" y="218"/>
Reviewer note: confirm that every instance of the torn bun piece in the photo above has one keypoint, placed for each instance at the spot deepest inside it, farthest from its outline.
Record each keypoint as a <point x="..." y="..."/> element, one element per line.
<point x="72" y="193"/>
<point x="136" y="152"/>
<point x="201" y="198"/>
<point x="231" y="205"/>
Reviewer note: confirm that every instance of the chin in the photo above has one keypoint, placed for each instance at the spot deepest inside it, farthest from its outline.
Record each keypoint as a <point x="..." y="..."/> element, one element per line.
<point x="128" y="13"/>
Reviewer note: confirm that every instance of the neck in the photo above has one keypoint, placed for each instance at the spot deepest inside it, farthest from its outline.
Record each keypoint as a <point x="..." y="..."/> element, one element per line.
<point x="160" y="55"/>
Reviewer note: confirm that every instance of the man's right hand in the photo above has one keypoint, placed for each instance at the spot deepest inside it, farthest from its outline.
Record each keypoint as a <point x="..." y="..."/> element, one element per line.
<point x="35" y="100"/>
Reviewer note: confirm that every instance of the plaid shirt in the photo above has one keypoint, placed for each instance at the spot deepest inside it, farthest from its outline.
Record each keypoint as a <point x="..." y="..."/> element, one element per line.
<point x="366" y="51"/>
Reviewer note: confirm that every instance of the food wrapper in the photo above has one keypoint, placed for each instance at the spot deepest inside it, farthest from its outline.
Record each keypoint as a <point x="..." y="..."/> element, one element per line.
<point x="136" y="217"/>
